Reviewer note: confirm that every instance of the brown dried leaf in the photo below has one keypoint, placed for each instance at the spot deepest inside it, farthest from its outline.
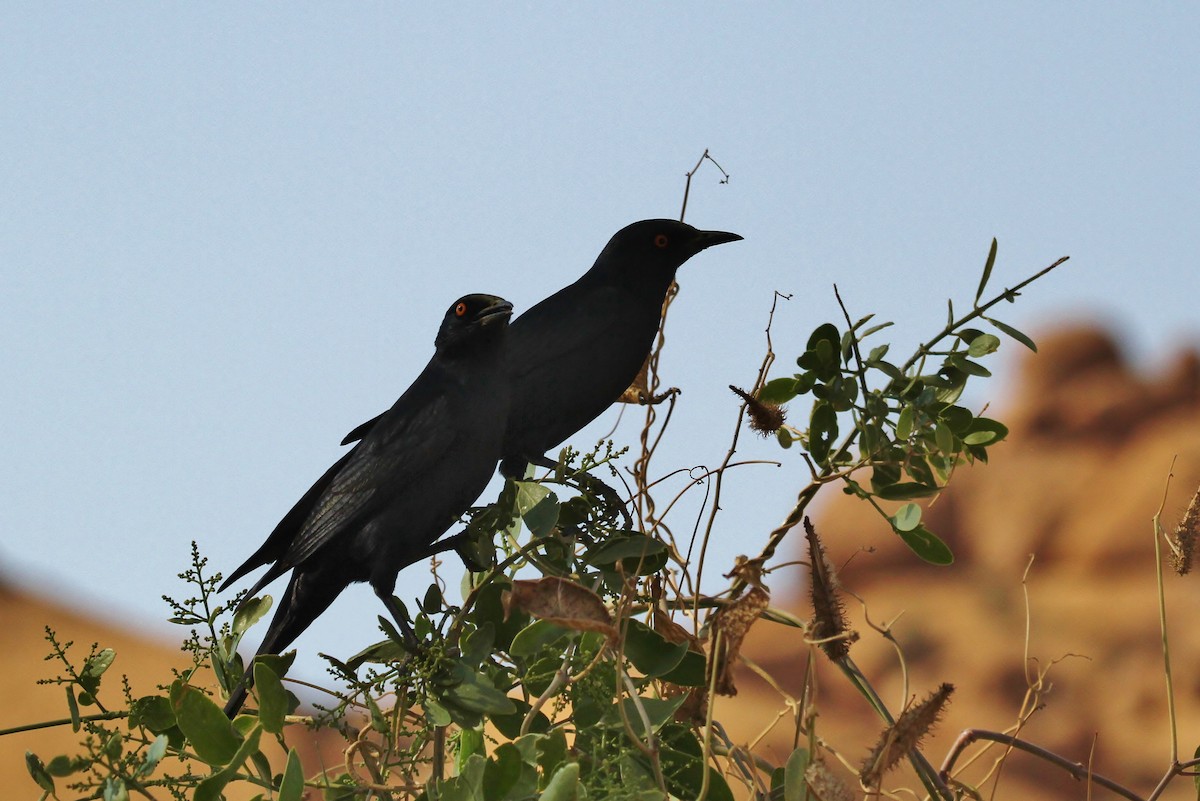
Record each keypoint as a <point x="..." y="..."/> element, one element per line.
<point x="825" y="786"/>
<point x="732" y="622"/>
<point x="639" y="390"/>
<point x="562" y="602"/>
<point x="672" y="632"/>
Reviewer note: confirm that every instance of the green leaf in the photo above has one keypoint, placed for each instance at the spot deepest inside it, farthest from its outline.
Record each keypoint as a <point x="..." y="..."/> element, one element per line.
<point x="96" y="665"/>
<point x="987" y="271"/>
<point x="635" y="548"/>
<point x="784" y="438"/>
<point x="904" y="424"/>
<point x="659" y="711"/>
<point x="795" y="784"/>
<point x="905" y="490"/>
<point x="543" y="517"/>
<point x="250" y="612"/>
<point x="534" y="637"/>
<point x="874" y="330"/>
<point x="470" y="742"/>
<point x="958" y="418"/>
<point x="967" y="366"/>
<point x="537" y="506"/>
<point x="1020" y="336"/>
<point x="210" y="789"/>
<point x="984" y="344"/>
<point x="777" y="390"/>
<point x="436" y="713"/>
<point x="490" y="609"/>
<point x="690" y="672"/>
<point x="907" y="517"/>
<point x="63" y="765"/>
<point x="822" y="355"/>
<point x="944" y="439"/>
<point x="377" y="653"/>
<point x="204" y="724"/>
<point x="73" y="708"/>
<point x="650" y="652"/>
<point x="38" y="771"/>
<point x="564" y="785"/>
<point x="477" y="694"/>
<point x="823" y="430"/>
<point x="926" y="545"/>
<point x="292" y="786"/>
<point x="502" y="772"/>
<point x="477" y="646"/>
<point x="985" y="432"/>
<point x="154" y="755"/>
<point x="154" y="712"/>
<point x="272" y="698"/>
<point x="115" y="789"/>
<point x="431" y="604"/>
<point x="510" y="725"/>
<point x="684" y="773"/>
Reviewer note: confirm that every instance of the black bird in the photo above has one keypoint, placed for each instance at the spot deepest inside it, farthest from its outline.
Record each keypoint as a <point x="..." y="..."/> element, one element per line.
<point x="383" y="504"/>
<point x="574" y="353"/>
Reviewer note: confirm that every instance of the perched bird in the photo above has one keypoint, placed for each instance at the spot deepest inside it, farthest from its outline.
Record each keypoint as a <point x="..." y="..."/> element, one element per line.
<point x="382" y="505"/>
<point x="573" y="354"/>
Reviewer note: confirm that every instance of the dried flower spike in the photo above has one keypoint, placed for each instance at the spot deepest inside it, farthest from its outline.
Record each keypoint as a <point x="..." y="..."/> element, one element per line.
<point x="905" y="735"/>
<point x="829" y="626"/>
<point x="1185" y="537"/>
<point x="765" y="418"/>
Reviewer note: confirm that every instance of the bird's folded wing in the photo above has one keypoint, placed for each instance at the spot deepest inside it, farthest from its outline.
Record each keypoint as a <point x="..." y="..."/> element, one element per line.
<point x="405" y="443"/>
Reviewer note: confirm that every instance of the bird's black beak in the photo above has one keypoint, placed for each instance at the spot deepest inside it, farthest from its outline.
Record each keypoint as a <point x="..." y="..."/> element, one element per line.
<point x="706" y="239"/>
<point x="501" y="310"/>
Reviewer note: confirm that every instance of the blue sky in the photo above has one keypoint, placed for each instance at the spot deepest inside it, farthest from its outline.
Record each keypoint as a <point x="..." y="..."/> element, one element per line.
<point x="230" y="231"/>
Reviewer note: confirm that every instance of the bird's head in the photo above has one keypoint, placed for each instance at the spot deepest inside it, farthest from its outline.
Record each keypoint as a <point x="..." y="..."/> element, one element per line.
<point x="473" y="319"/>
<point x="655" y="248"/>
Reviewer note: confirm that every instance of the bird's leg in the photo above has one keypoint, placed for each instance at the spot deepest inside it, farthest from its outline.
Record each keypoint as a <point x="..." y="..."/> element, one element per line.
<point x="410" y="636"/>
<point x="589" y="483"/>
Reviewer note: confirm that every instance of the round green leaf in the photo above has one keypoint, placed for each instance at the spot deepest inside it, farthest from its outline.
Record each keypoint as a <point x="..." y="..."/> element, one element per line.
<point x="983" y="344"/>
<point x="907" y="517"/>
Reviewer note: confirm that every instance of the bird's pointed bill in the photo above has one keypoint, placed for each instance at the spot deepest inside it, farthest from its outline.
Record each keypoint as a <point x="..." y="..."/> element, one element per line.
<point x="706" y="239"/>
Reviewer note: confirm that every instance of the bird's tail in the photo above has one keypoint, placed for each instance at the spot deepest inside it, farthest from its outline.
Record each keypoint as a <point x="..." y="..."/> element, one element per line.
<point x="307" y="596"/>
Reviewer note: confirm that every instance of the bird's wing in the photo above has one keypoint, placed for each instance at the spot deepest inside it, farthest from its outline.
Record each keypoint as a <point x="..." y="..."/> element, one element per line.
<point x="286" y="530"/>
<point x="405" y="441"/>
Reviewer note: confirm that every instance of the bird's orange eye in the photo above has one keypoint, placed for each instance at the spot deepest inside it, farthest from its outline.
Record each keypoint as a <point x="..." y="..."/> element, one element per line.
<point x="460" y="310"/>
<point x="660" y="241"/>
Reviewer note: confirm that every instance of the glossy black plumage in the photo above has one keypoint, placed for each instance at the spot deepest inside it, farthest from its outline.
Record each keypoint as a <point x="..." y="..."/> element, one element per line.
<point x="573" y="354"/>
<point x="382" y="505"/>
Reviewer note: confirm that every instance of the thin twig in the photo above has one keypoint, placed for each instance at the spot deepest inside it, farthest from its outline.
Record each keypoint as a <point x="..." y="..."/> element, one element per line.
<point x="1162" y="614"/>
<point x="1077" y="770"/>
